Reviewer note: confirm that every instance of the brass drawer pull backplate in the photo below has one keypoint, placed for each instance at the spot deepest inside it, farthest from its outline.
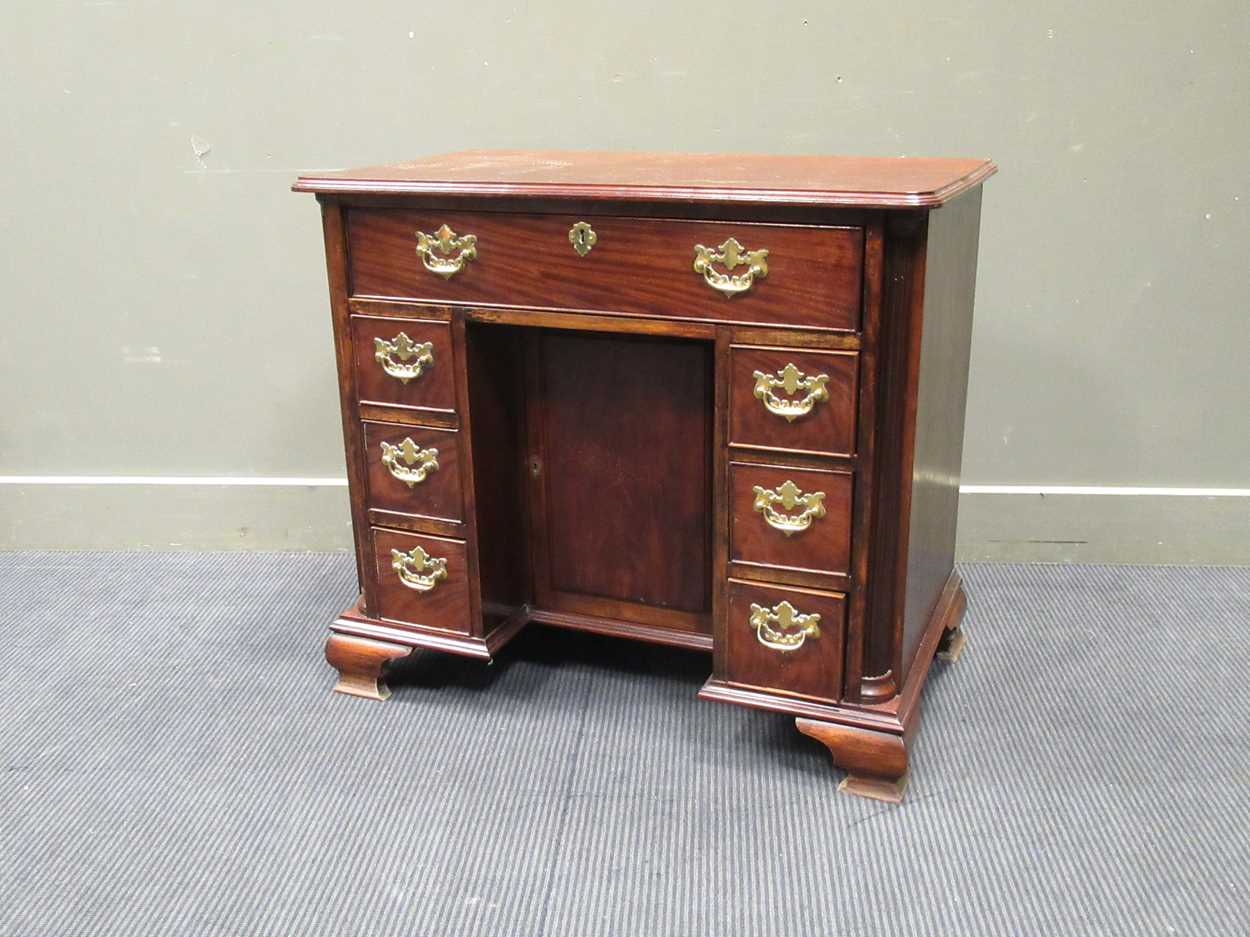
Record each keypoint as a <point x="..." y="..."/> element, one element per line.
<point x="789" y="497"/>
<point x="791" y="380"/>
<point x="445" y="253"/>
<point x="402" y="358"/>
<point x="408" y="463"/>
<point x="783" y="627"/>
<point x="418" y="570"/>
<point x="732" y="255"/>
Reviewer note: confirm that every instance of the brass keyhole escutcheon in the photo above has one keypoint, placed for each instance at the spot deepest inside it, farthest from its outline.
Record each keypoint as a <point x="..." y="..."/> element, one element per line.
<point x="582" y="236"/>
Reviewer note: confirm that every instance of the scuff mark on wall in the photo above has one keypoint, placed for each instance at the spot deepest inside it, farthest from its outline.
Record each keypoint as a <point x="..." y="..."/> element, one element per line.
<point x="201" y="148"/>
<point x="141" y="354"/>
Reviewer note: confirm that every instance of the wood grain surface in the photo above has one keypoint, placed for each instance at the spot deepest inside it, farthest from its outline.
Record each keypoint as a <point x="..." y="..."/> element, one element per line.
<point x="828" y="429"/>
<point x="833" y="181"/>
<point x="433" y="390"/>
<point x="825" y="546"/>
<point x="814" y="669"/>
<point x="446" y="606"/>
<point x="638" y="266"/>
<point x="438" y="495"/>
<point x="624" y="470"/>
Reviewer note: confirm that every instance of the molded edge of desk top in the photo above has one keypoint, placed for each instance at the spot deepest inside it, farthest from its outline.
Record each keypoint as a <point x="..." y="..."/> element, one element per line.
<point x="827" y="181"/>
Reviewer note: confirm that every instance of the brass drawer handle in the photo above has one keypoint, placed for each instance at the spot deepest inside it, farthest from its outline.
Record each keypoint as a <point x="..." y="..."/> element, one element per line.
<point x="790" y="497"/>
<point x="732" y="255"/>
<point x="417" y="569"/>
<point x="413" y="358"/>
<point x="408" y="463"/>
<point x="446" y="243"/>
<point x="791" y="380"/>
<point x="783" y="627"/>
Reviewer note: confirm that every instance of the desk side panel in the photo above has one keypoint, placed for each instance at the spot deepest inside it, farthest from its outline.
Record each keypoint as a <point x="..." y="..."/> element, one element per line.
<point x="333" y="228"/>
<point x="941" y="398"/>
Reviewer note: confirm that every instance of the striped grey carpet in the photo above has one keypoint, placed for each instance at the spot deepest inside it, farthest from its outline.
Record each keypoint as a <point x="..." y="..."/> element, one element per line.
<point x="174" y="764"/>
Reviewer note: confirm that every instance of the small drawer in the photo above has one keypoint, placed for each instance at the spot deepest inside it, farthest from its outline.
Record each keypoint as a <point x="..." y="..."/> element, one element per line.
<point x="791" y="518"/>
<point x="808" y="276"/>
<point x="786" y="400"/>
<point x="422" y="580"/>
<point x="404" y="362"/>
<point x="413" y="470"/>
<point x="788" y="640"/>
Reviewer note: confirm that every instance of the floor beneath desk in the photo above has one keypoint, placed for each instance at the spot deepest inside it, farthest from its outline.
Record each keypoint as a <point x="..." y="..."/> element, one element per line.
<point x="174" y="763"/>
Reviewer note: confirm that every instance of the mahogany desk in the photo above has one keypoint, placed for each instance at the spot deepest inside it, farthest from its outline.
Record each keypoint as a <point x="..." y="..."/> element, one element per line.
<point x="714" y="402"/>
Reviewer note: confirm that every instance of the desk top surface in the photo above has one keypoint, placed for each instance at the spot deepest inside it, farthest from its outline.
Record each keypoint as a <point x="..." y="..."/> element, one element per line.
<point x="829" y="181"/>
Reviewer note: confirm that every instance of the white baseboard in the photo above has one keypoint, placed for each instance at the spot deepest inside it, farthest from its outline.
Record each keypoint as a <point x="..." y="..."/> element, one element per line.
<point x="66" y="515"/>
<point x="245" y="481"/>
<point x="1159" y="526"/>
<point x="1121" y="490"/>
<point x="299" y="481"/>
<point x="1025" y="523"/>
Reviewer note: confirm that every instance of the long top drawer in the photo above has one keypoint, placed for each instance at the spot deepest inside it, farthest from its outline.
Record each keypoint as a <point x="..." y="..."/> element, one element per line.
<point x="809" y="276"/>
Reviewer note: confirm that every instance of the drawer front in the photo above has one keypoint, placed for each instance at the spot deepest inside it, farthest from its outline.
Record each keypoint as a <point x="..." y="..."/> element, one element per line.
<point x="811" y="276"/>
<point x="798" y="401"/>
<point x="789" y="517"/>
<point x="413" y="470"/>
<point x="429" y="588"/>
<point x="776" y="643"/>
<point x="404" y="362"/>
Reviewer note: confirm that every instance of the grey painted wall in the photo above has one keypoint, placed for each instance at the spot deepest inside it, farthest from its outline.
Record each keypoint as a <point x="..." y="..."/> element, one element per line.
<point x="165" y="293"/>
